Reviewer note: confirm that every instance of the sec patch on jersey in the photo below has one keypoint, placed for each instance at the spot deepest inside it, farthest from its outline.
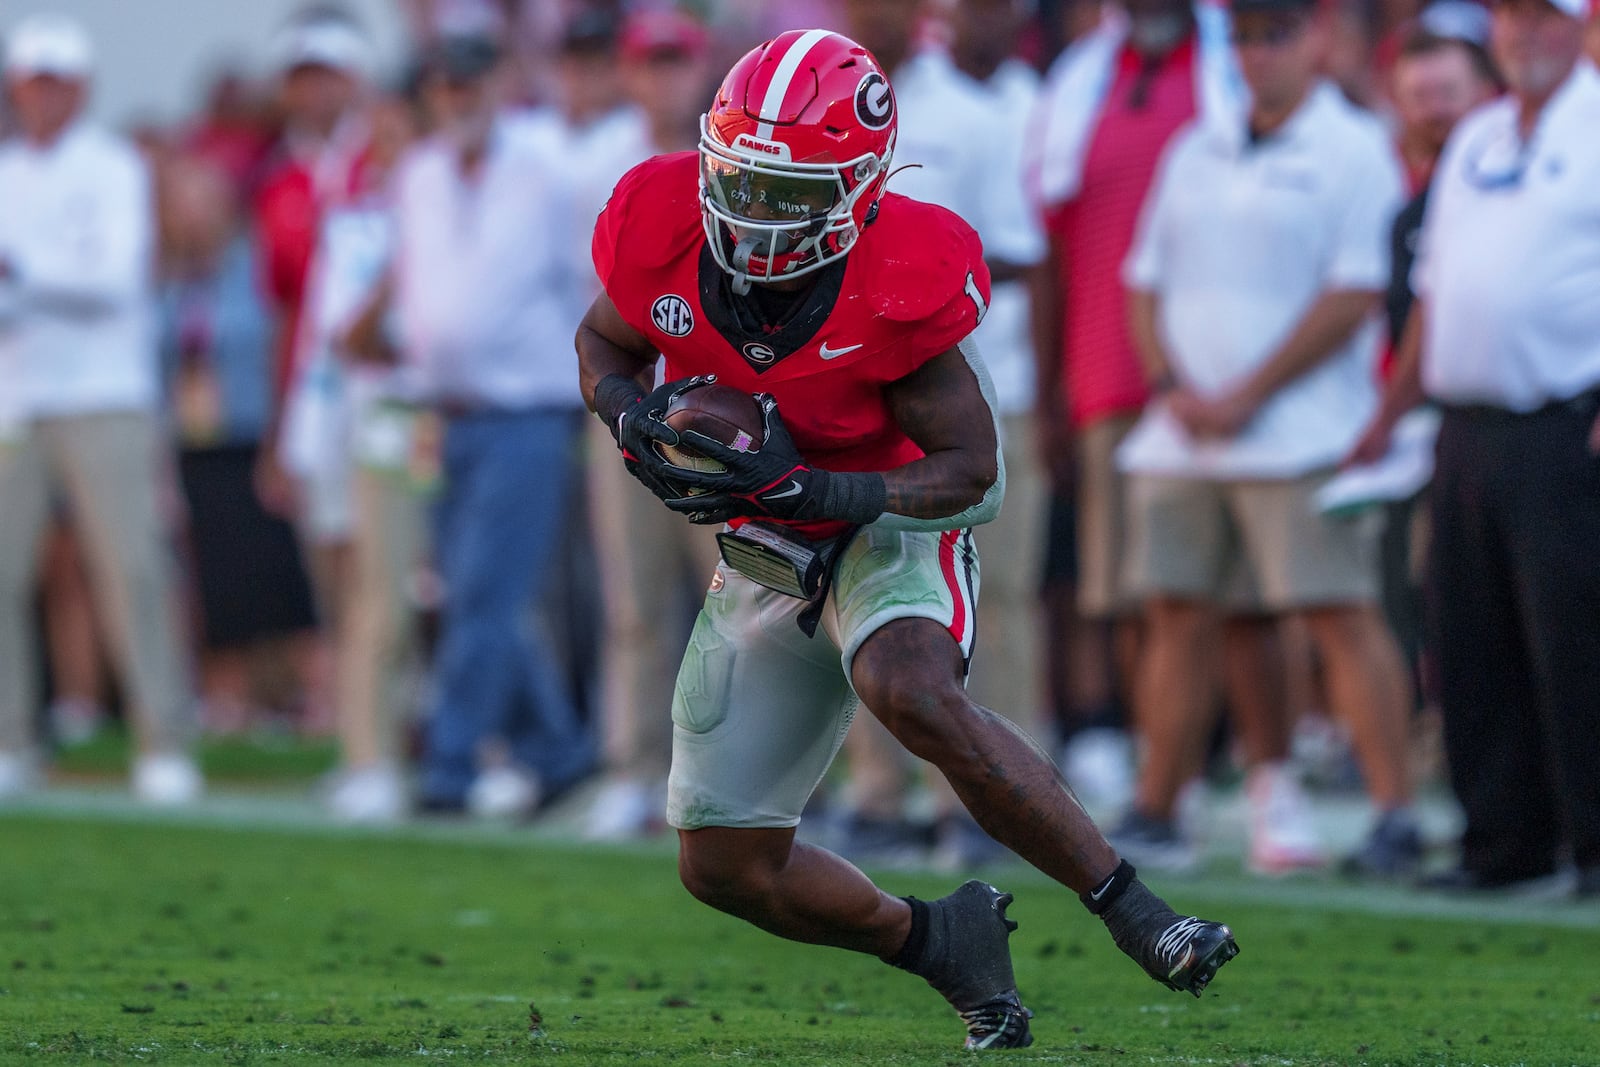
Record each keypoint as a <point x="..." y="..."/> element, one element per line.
<point x="672" y="315"/>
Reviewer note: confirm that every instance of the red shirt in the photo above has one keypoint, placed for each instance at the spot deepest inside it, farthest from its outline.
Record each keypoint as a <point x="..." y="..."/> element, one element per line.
<point x="1102" y="374"/>
<point x="287" y="216"/>
<point x="289" y="205"/>
<point x="913" y="287"/>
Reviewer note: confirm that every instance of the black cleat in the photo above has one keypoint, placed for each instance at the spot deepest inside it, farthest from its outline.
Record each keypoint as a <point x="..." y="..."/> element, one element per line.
<point x="974" y="971"/>
<point x="1001" y="1023"/>
<point x="1188" y="954"/>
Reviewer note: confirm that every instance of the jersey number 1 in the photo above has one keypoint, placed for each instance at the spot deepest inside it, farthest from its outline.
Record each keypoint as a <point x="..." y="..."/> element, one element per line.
<point x="977" y="297"/>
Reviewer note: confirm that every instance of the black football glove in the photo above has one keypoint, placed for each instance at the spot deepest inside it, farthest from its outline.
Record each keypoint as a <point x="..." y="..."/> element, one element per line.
<point x="635" y="420"/>
<point x="772" y="482"/>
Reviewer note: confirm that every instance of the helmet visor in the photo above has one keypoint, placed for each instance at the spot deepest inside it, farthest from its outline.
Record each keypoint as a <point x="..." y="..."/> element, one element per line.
<point x="766" y="197"/>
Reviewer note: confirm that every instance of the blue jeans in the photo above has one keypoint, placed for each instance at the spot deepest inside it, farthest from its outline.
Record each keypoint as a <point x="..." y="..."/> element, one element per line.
<point x="499" y="521"/>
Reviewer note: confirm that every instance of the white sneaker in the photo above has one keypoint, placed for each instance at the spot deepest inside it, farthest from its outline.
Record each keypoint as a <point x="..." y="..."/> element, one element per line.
<point x="167" y="779"/>
<point x="1283" y="833"/>
<point x="503" y="792"/>
<point x="623" y="809"/>
<point x="369" y="795"/>
<point x="1098" y="764"/>
<point x="19" y="774"/>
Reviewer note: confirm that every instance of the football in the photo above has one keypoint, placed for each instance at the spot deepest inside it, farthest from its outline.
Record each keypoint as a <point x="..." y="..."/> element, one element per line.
<point x="722" y="413"/>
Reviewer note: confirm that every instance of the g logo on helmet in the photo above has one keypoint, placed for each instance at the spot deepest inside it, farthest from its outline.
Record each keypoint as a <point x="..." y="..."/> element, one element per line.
<point x="874" y="102"/>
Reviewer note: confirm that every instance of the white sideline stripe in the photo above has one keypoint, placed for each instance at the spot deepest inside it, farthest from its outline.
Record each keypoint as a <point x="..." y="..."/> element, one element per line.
<point x="778" y="88"/>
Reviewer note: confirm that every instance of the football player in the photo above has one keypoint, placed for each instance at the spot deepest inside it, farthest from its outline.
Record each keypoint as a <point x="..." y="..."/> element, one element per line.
<point x="775" y="260"/>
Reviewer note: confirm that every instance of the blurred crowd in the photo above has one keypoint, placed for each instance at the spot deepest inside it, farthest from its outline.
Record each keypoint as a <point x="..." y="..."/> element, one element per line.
<point x="291" y="436"/>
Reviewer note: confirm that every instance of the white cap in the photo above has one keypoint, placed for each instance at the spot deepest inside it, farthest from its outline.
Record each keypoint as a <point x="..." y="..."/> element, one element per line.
<point x="323" y="42"/>
<point x="1578" y="9"/>
<point x="49" y="44"/>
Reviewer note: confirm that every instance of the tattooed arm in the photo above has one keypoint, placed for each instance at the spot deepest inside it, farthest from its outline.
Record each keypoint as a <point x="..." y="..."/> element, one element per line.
<point x="947" y="407"/>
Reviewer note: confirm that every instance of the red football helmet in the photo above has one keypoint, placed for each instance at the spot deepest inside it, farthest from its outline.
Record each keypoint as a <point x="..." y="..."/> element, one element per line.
<point x="793" y="155"/>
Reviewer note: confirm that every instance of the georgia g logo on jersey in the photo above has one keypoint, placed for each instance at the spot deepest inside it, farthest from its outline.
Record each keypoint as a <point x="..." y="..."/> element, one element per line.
<point x="671" y="315"/>
<point x="874" y="101"/>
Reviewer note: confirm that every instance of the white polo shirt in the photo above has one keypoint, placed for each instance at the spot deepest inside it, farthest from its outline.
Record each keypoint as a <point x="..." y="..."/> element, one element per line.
<point x="1239" y="240"/>
<point x="1510" y="257"/>
<point x="76" y="323"/>
<point x="966" y="139"/>
<point x="481" y="279"/>
<point x="594" y="157"/>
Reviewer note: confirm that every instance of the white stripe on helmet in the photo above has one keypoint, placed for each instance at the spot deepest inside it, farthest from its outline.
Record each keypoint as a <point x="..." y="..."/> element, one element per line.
<point x="778" y="88"/>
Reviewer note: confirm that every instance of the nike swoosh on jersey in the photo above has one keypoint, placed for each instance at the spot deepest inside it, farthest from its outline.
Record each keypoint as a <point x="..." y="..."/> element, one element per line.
<point x="794" y="487"/>
<point x="835" y="353"/>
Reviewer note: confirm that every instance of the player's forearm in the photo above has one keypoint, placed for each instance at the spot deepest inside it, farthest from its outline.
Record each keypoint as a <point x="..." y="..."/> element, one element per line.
<point x="940" y="485"/>
<point x="941" y="491"/>
<point x="599" y="358"/>
<point x="947" y="407"/>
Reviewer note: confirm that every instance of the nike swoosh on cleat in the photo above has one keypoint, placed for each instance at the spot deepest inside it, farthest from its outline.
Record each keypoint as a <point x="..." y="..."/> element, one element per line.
<point x="835" y="353"/>
<point x="794" y="487"/>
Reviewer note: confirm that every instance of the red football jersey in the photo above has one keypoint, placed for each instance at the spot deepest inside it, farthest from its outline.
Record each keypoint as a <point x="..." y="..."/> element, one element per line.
<point x="913" y="286"/>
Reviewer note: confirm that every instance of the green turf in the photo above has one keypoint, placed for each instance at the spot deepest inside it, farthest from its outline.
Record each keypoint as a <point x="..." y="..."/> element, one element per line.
<point x="257" y="757"/>
<point x="130" y="941"/>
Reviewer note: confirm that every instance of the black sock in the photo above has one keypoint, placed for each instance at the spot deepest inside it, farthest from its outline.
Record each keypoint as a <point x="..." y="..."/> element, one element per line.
<point x="1099" y="899"/>
<point x="909" y="958"/>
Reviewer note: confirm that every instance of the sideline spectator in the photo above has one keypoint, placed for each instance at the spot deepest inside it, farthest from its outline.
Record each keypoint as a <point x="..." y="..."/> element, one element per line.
<point x="1253" y="281"/>
<point x="478" y="286"/>
<point x="1438" y="76"/>
<point x="1110" y="105"/>
<point x="216" y="350"/>
<point x="391" y="445"/>
<point x="650" y="560"/>
<point x="232" y="131"/>
<point x="590" y="126"/>
<point x="953" y="150"/>
<point x="78" y="391"/>
<point x="1506" y="337"/>
<point x="306" y="472"/>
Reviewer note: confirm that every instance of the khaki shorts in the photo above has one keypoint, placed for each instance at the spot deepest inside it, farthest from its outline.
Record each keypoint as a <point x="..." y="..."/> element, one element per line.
<point x="1103" y="520"/>
<point x="760" y="709"/>
<point x="1189" y="537"/>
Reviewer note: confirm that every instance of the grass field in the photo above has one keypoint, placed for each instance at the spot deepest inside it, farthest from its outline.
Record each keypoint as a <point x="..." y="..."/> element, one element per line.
<point x="128" y="939"/>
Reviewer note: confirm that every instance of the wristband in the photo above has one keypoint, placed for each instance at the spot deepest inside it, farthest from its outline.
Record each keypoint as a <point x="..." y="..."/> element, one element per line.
<point x="615" y="394"/>
<point x="857" y="498"/>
